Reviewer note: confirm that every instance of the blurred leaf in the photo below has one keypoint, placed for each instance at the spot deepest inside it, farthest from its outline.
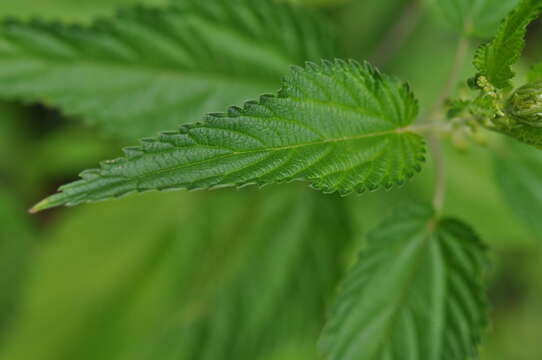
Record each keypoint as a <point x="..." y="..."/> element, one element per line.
<point x="150" y="278"/>
<point x="516" y="326"/>
<point x="472" y="17"/>
<point x="494" y="60"/>
<point x="341" y="126"/>
<point x="416" y="293"/>
<point x="51" y="159"/>
<point x="66" y="10"/>
<point x="364" y="24"/>
<point x="15" y="251"/>
<point x="518" y="172"/>
<point x="149" y="70"/>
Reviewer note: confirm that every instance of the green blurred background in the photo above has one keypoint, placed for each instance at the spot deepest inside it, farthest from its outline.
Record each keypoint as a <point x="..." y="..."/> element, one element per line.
<point x="237" y="274"/>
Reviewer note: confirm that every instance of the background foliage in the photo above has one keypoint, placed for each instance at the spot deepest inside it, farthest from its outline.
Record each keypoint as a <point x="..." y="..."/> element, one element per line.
<point x="179" y="276"/>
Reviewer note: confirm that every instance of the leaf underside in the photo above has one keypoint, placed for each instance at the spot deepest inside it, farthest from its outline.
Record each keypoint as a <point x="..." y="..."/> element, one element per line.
<point x="416" y="293"/>
<point x="147" y="70"/>
<point x="339" y="125"/>
<point x="494" y="59"/>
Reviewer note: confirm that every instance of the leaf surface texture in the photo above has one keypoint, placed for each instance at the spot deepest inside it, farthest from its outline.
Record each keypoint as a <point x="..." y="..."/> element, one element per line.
<point x="416" y="293"/>
<point x="343" y="127"/>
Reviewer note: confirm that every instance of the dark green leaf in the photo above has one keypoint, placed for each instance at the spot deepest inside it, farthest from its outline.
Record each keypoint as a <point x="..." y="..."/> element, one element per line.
<point x="416" y="293"/>
<point x="341" y="126"/>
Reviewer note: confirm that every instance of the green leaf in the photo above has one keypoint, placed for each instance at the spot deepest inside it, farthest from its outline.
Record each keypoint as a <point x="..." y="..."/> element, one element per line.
<point x="152" y="69"/>
<point x="416" y="293"/>
<point x="518" y="173"/>
<point x="341" y="126"/>
<point x="66" y="10"/>
<point x="479" y="18"/>
<point x="150" y="278"/>
<point x="494" y="60"/>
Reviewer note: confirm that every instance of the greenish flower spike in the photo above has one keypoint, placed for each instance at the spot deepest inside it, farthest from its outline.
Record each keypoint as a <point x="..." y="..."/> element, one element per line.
<point x="341" y="126"/>
<point x="525" y="105"/>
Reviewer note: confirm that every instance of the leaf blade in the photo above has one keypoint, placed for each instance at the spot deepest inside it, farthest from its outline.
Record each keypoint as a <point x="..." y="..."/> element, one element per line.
<point x="140" y="72"/>
<point x="416" y="293"/>
<point x="343" y="127"/>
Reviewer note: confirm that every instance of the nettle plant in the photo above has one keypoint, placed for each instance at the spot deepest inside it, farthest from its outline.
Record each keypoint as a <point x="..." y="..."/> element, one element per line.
<point x="343" y="127"/>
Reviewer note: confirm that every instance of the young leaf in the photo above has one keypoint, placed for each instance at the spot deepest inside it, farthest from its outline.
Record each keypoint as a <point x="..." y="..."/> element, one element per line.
<point x="341" y="126"/>
<point x="151" y="69"/>
<point x="479" y="18"/>
<point x="518" y="174"/>
<point x="416" y="293"/>
<point x="494" y="59"/>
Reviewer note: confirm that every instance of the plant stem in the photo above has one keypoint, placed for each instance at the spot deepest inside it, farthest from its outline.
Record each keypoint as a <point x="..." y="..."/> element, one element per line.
<point x="439" y="194"/>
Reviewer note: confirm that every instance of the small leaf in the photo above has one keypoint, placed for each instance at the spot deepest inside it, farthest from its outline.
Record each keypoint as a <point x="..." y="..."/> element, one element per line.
<point x="148" y="70"/>
<point x="518" y="173"/>
<point x="494" y="59"/>
<point x="343" y="127"/>
<point x="416" y="293"/>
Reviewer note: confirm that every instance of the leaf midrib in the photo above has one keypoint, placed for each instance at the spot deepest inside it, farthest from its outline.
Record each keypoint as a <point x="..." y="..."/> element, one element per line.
<point x="137" y="179"/>
<point x="272" y="149"/>
<point x="425" y="236"/>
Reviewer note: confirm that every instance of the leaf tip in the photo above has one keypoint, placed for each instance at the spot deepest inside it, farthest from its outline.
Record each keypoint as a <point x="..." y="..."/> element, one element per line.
<point x="42" y="205"/>
<point x="47" y="203"/>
